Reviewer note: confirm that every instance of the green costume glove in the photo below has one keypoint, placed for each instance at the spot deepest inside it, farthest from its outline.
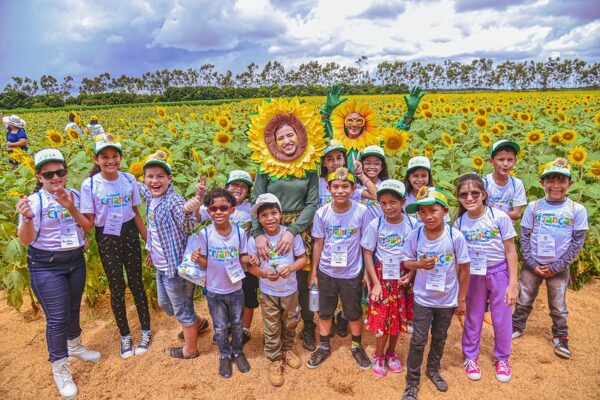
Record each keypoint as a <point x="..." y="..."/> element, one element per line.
<point x="412" y="102"/>
<point x="333" y="99"/>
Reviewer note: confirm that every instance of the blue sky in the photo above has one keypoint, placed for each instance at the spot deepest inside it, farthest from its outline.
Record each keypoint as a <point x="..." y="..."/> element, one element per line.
<point x="85" y="38"/>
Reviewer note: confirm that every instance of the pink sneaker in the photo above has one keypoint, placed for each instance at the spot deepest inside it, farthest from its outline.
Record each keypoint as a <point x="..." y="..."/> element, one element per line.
<point x="378" y="366"/>
<point x="472" y="370"/>
<point x="393" y="362"/>
<point x="503" y="371"/>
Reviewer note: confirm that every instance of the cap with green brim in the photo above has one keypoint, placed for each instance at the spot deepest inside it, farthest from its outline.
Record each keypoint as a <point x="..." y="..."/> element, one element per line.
<point x="392" y="185"/>
<point x="502" y="144"/>
<point x="158" y="163"/>
<point x="47" y="155"/>
<point x="104" y="144"/>
<point x="238" y="175"/>
<point x="559" y="166"/>
<point x="334" y="145"/>
<point x="372" y="150"/>
<point x="418" y="162"/>
<point x="427" y="196"/>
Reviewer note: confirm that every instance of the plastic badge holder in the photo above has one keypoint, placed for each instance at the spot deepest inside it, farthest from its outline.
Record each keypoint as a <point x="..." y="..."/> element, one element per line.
<point x="190" y="271"/>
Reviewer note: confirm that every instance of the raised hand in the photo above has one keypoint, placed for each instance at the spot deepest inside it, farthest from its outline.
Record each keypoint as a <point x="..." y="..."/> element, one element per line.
<point x="413" y="99"/>
<point x="333" y="98"/>
<point x="201" y="188"/>
<point x="64" y="198"/>
<point x="23" y="207"/>
<point x="192" y="205"/>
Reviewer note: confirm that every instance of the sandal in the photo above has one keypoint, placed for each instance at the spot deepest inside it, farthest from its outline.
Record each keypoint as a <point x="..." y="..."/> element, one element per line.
<point x="201" y="328"/>
<point x="177" y="352"/>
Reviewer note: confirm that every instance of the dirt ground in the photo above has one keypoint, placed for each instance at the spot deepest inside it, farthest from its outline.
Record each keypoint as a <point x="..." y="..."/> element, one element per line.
<point x="537" y="373"/>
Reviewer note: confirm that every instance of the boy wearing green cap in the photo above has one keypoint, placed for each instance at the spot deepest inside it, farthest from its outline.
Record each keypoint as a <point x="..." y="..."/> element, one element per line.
<point x="505" y="192"/>
<point x="553" y="231"/>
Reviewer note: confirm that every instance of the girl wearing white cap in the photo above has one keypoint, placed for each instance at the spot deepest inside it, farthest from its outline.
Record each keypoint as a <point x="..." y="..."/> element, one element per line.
<point x="50" y="224"/>
<point x="375" y="169"/>
<point x="418" y="174"/>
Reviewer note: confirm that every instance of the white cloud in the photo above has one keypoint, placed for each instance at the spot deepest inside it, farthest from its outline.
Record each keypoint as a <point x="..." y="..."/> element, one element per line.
<point x="115" y="39"/>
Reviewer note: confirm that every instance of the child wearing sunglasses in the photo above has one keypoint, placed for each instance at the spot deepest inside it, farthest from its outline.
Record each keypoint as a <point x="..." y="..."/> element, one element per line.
<point x="222" y="252"/>
<point x="109" y="200"/>
<point x="493" y="274"/>
<point x="50" y="225"/>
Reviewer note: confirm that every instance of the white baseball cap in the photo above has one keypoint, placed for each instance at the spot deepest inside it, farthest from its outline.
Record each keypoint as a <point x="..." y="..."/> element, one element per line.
<point x="238" y="175"/>
<point x="559" y="166"/>
<point x="103" y="144"/>
<point x="47" y="155"/>
<point x="333" y="146"/>
<point x="418" y="162"/>
<point x="372" y="150"/>
<point x="392" y="185"/>
<point x="265" y="198"/>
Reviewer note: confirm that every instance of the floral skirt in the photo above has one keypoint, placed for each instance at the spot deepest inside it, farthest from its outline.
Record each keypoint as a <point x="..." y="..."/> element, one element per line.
<point x="289" y="218"/>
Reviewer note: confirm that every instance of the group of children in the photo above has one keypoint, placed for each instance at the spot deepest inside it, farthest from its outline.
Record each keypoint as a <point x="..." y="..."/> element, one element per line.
<point x="393" y="236"/>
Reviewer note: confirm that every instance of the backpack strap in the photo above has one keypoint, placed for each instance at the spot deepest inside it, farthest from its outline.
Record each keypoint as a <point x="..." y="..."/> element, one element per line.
<point x="379" y="223"/>
<point x="514" y="185"/>
<point x="37" y="235"/>
<point x="419" y="233"/>
<point x="206" y="235"/>
<point x="485" y="182"/>
<point x="533" y="222"/>
<point x="494" y="221"/>
<point x="410" y="222"/>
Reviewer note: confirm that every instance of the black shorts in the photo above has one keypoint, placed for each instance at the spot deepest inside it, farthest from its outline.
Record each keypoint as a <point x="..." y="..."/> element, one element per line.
<point x="250" y="287"/>
<point x="348" y="290"/>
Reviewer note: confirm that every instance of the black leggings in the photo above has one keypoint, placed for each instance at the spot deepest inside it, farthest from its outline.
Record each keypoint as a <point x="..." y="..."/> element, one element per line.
<point x="117" y="252"/>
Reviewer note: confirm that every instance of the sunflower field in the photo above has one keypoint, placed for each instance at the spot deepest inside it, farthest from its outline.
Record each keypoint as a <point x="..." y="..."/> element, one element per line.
<point x="454" y="130"/>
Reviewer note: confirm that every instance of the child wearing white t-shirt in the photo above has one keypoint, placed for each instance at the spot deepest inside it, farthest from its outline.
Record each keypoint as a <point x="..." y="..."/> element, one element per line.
<point x="553" y="231"/>
<point x="278" y="288"/>
<point x="439" y="254"/>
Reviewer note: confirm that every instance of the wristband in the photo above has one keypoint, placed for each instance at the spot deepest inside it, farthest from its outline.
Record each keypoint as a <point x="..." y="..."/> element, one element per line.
<point x="27" y="219"/>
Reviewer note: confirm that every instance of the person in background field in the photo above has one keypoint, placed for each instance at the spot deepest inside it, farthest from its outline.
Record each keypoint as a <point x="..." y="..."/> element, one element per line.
<point x="553" y="232"/>
<point x="15" y="135"/>
<point x="94" y="128"/>
<point x="50" y="225"/>
<point x="72" y="125"/>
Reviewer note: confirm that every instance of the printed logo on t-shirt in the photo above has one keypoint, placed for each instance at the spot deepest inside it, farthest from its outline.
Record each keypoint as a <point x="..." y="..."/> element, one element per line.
<point x="554" y="220"/>
<point x="223" y="254"/>
<point x="391" y="241"/>
<point x="341" y="232"/>
<point x="500" y="202"/>
<point x="441" y="259"/>
<point x="371" y="203"/>
<point x="481" y="235"/>
<point x="60" y="213"/>
<point x="116" y="200"/>
<point x="324" y="199"/>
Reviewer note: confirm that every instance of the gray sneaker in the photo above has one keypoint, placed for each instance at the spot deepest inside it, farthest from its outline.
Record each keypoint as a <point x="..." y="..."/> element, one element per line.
<point x="561" y="347"/>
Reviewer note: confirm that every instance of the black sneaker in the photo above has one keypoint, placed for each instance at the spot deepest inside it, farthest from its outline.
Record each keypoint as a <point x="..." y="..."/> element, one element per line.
<point x="225" y="367"/>
<point x="246" y="336"/>
<point x="144" y="344"/>
<point x="203" y="326"/>
<point x="342" y="325"/>
<point x="438" y="380"/>
<point x="410" y="393"/>
<point x="307" y="335"/>
<point x="317" y="357"/>
<point x="361" y="357"/>
<point x="561" y="347"/>
<point x="126" y="346"/>
<point x="241" y="363"/>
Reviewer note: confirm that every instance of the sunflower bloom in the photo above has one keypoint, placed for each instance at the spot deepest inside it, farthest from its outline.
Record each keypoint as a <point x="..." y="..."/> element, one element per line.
<point x="525" y="117"/>
<point x="597" y="119"/>
<point x="160" y="111"/>
<point x="477" y="162"/>
<point x="136" y="169"/>
<point x="555" y="139"/>
<point x="535" y="137"/>
<point x="54" y="137"/>
<point x="485" y="140"/>
<point x="463" y="127"/>
<point x="395" y="140"/>
<point x="29" y="163"/>
<point x="447" y="139"/>
<point x="414" y="152"/>
<point x="594" y="171"/>
<point x="223" y="122"/>
<point x="577" y="155"/>
<point x="568" y="136"/>
<point x="222" y="139"/>
<point x="481" y="122"/>
<point x="428" y="114"/>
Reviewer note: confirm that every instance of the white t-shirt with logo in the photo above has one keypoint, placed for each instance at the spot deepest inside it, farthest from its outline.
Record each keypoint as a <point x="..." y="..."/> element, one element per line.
<point x="372" y="205"/>
<point x="106" y="197"/>
<point x="387" y="239"/>
<point x="505" y="197"/>
<point x="283" y="286"/>
<point x="341" y="234"/>
<point x="559" y="221"/>
<point x="325" y="196"/>
<point x="241" y="216"/>
<point x="50" y="219"/>
<point x="221" y="252"/>
<point x="153" y="244"/>
<point x="75" y="127"/>
<point x="487" y="234"/>
<point x="447" y="252"/>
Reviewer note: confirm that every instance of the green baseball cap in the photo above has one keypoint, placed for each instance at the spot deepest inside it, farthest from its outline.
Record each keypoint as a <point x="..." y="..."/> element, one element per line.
<point x="238" y="175"/>
<point x="500" y="144"/>
<point x="427" y="196"/>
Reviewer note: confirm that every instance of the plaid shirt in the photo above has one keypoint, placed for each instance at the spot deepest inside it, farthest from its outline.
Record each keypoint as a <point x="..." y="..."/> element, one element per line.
<point x="173" y="225"/>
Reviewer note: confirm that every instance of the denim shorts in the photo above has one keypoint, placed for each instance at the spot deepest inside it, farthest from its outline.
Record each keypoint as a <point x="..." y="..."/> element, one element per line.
<point x="176" y="298"/>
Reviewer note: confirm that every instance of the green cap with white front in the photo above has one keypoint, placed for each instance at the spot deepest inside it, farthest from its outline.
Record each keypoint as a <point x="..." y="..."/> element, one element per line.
<point x="392" y="185"/>
<point x="372" y="150"/>
<point x="334" y="145"/>
<point x="502" y="144"/>
<point x="559" y="166"/>
<point x="238" y="175"/>
<point x="47" y="155"/>
<point x="427" y="196"/>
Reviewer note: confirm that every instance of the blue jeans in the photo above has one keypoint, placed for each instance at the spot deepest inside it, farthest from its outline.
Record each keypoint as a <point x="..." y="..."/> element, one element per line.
<point x="226" y="310"/>
<point x="57" y="280"/>
<point x="176" y="298"/>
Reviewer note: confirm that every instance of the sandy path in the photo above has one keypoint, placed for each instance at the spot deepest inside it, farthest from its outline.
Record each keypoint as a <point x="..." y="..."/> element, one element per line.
<point x="537" y="372"/>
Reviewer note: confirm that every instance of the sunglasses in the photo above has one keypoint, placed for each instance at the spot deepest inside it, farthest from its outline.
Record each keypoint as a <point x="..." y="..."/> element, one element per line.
<point x="358" y="121"/>
<point x="222" y="208"/>
<point x="474" y="194"/>
<point x="61" y="173"/>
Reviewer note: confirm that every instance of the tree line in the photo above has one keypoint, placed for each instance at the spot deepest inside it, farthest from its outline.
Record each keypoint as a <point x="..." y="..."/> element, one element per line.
<point x="311" y="78"/>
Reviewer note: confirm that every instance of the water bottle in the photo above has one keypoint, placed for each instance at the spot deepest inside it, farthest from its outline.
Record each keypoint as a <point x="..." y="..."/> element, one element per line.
<point x="313" y="299"/>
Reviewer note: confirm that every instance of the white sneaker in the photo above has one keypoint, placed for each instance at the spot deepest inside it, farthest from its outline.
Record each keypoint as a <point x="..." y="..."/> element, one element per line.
<point x="144" y="343"/>
<point x="64" y="379"/>
<point x="472" y="370"/>
<point x="78" y="351"/>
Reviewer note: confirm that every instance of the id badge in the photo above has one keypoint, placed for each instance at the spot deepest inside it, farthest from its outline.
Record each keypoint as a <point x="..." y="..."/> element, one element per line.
<point x="436" y="280"/>
<point x="478" y="263"/>
<point x="113" y="224"/>
<point x="339" y="255"/>
<point x="391" y="268"/>
<point x="234" y="272"/>
<point x="546" y="246"/>
<point x="68" y="237"/>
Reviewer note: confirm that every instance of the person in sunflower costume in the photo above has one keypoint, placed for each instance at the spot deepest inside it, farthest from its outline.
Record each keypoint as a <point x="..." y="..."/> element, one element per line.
<point x="286" y="139"/>
<point x="355" y="124"/>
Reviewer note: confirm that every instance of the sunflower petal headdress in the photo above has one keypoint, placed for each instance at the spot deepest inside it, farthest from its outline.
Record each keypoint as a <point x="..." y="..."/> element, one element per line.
<point x="368" y="135"/>
<point x="307" y="124"/>
<point x="342" y="174"/>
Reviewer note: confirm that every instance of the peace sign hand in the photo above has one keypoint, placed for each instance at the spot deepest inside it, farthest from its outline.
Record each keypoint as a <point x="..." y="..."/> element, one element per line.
<point x="64" y="198"/>
<point x="201" y="187"/>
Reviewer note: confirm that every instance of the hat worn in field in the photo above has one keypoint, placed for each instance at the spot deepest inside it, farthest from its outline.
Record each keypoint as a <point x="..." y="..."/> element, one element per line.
<point x="392" y="185"/>
<point x="159" y="163"/>
<point x="47" y="155"/>
<point x="427" y="196"/>
<point x="238" y="175"/>
<point x="559" y="166"/>
<point x="334" y="145"/>
<point x="418" y="162"/>
<point x="372" y="150"/>
<point x="341" y="174"/>
<point x="265" y="198"/>
<point x="106" y="141"/>
<point x="15" y="121"/>
<point x="502" y="144"/>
